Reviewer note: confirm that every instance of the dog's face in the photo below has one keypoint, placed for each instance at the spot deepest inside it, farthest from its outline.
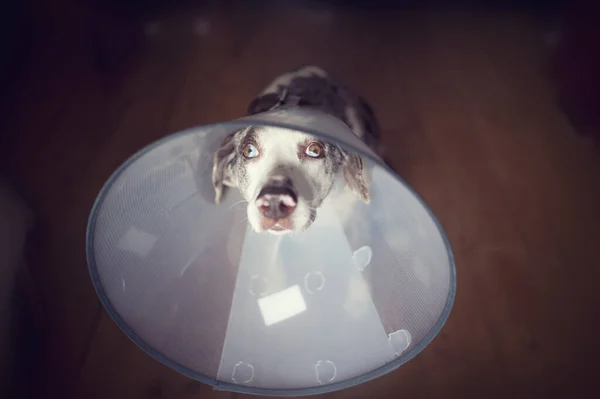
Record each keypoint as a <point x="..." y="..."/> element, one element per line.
<point x="284" y="175"/>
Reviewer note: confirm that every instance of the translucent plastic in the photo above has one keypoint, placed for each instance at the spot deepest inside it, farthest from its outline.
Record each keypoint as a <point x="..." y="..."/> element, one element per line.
<point x="360" y="292"/>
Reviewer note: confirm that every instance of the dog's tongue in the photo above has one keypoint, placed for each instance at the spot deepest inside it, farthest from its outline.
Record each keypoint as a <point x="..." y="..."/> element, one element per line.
<point x="269" y="224"/>
<point x="277" y="224"/>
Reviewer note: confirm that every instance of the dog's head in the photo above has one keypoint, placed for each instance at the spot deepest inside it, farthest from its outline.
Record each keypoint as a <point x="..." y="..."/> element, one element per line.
<point x="284" y="175"/>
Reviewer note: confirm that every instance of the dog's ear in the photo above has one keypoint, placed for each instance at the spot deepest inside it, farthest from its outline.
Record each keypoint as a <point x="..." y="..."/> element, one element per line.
<point x="222" y="174"/>
<point x="354" y="177"/>
<point x="263" y="103"/>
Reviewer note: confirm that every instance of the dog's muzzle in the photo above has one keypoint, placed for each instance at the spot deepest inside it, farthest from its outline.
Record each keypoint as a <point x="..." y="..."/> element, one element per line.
<point x="276" y="202"/>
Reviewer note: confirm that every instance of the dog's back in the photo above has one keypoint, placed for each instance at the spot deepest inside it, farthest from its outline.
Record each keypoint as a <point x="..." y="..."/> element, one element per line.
<point x="311" y="86"/>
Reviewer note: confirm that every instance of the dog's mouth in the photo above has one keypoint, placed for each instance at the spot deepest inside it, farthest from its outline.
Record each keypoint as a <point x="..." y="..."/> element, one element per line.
<point x="287" y="225"/>
<point x="276" y="204"/>
<point x="277" y="225"/>
<point x="280" y="209"/>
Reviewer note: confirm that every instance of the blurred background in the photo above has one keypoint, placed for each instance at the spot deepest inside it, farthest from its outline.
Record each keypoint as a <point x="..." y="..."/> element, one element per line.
<point x="489" y="109"/>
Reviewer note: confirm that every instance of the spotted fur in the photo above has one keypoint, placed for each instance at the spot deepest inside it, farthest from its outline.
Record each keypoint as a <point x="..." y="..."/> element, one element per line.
<point x="281" y="150"/>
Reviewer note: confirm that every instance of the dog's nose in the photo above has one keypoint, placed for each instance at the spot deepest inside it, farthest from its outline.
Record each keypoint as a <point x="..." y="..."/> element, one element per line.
<point x="276" y="202"/>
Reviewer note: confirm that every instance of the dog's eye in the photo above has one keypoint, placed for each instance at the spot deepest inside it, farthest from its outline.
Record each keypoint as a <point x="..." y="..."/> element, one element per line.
<point x="314" y="150"/>
<point x="250" y="151"/>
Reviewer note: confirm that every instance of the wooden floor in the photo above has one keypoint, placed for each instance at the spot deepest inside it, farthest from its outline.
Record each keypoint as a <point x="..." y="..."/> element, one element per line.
<point x="469" y="118"/>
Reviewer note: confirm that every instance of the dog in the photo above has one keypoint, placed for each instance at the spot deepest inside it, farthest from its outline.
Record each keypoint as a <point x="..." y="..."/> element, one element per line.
<point x="286" y="175"/>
